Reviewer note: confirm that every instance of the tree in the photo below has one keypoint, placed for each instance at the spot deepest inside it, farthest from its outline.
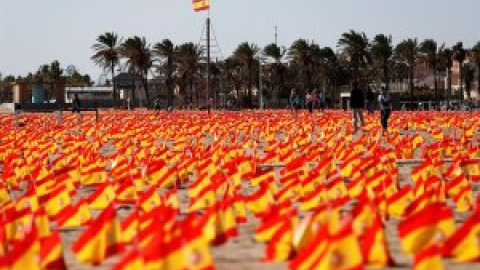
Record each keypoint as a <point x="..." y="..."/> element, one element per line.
<point x="446" y="63"/>
<point x="230" y="70"/>
<point x="407" y="51"/>
<point x="107" y="54"/>
<point x="302" y="61"/>
<point x="74" y="78"/>
<point x="331" y="70"/>
<point x="165" y="51"/>
<point x="276" y="67"/>
<point x="430" y="55"/>
<point x="139" y="59"/>
<point x="6" y="94"/>
<point x="476" y="58"/>
<point x="382" y="51"/>
<point x="469" y="74"/>
<point x="355" y="47"/>
<point x="189" y="56"/>
<point x="246" y="55"/>
<point x="459" y="55"/>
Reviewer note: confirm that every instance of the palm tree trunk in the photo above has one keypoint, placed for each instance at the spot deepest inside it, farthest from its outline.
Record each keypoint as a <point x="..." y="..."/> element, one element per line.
<point x="169" y="85"/>
<point x="133" y="92"/>
<point x="461" y="82"/>
<point x="250" y="83"/>
<point x="385" y="76"/>
<point x="411" y="85"/>
<point x="197" y="94"/>
<point x="112" y="69"/>
<point x="478" y="78"/>
<point x="145" y="86"/>
<point x="449" y="84"/>
<point x="169" y="93"/>
<point x="435" y="81"/>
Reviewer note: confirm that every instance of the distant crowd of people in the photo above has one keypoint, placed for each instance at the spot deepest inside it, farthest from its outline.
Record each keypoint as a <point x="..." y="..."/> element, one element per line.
<point x="357" y="103"/>
<point x="358" y="97"/>
<point x="313" y="99"/>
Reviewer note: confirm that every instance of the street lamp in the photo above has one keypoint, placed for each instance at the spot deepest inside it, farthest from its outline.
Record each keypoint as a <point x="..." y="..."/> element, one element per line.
<point x="260" y="86"/>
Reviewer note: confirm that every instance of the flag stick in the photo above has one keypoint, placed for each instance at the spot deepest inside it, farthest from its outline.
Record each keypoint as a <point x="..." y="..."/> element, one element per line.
<point x="208" y="58"/>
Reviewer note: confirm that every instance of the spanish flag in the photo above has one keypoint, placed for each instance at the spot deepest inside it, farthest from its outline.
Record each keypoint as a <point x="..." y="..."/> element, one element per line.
<point x="312" y="252"/>
<point x="343" y="251"/>
<point x="196" y="252"/>
<point x="74" y="215"/>
<point x="374" y="246"/>
<point x="464" y="245"/>
<point x="132" y="261"/>
<point x="25" y="254"/>
<point x="102" y="239"/>
<point x="102" y="197"/>
<point x="429" y="258"/>
<point x="280" y="247"/>
<point x="51" y="253"/>
<point x="431" y="225"/>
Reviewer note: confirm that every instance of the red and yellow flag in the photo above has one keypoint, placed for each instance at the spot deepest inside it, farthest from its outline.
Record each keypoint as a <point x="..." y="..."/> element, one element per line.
<point x="429" y="258"/>
<point x="431" y="225"/>
<point x="464" y="245"/>
<point x="102" y="239"/>
<point x="25" y="254"/>
<point x="201" y="5"/>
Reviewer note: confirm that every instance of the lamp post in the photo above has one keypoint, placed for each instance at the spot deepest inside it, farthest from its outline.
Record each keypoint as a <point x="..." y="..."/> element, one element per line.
<point x="260" y="83"/>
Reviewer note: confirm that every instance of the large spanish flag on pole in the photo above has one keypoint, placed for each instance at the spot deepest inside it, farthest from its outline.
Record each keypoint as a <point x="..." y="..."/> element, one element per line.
<point x="201" y="5"/>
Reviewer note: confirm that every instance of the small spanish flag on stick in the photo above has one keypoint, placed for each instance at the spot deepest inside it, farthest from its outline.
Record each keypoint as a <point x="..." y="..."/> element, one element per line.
<point x="201" y="5"/>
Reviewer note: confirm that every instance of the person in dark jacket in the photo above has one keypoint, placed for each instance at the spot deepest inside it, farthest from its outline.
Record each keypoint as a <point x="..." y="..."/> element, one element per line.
<point x="385" y="102"/>
<point x="357" y="103"/>
<point x="76" y="104"/>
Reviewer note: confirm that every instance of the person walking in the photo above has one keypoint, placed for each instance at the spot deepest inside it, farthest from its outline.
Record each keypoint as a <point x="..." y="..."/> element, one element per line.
<point x="385" y="101"/>
<point x="370" y="100"/>
<point x="357" y="103"/>
<point x="321" y="100"/>
<point x="75" y="104"/>
<point x="310" y="102"/>
<point x="128" y="103"/>
<point x="156" y="104"/>
<point x="294" y="101"/>
<point x="209" y="105"/>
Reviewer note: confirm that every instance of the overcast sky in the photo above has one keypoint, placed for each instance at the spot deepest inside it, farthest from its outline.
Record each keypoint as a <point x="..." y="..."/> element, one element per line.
<point x="33" y="32"/>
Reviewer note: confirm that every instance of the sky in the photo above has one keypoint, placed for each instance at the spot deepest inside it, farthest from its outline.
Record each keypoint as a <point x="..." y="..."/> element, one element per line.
<point x="36" y="32"/>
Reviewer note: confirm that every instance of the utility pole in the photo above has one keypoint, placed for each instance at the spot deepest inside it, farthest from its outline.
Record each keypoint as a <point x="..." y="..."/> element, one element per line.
<point x="208" y="58"/>
<point x="260" y="86"/>
<point x="276" y="35"/>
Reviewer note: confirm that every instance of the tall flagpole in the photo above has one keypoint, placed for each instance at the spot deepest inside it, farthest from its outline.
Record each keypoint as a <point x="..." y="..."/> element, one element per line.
<point x="208" y="57"/>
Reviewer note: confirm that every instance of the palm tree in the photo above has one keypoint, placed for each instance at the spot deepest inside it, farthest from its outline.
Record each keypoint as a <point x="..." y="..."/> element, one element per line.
<point x="165" y="51"/>
<point x="331" y="70"/>
<point x="106" y="54"/>
<point x="246" y="55"/>
<point x="382" y="51"/>
<point x="354" y="46"/>
<point x="407" y="51"/>
<point x="230" y="70"/>
<point x="276" y="68"/>
<point x="446" y="61"/>
<point x="189" y="56"/>
<point x="476" y="58"/>
<point x="139" y="59"/>
<point x="429" y="53"/>
<point x="469" y="76"/>
<point x="302" y="60"/>
<point x="459" y="55"/>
